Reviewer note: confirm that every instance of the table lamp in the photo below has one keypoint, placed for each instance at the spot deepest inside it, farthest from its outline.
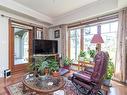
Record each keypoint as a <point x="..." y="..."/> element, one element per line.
<point x="98" y="40"/>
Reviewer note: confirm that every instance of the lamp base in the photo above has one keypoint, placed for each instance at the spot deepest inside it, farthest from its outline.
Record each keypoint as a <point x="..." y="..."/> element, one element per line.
<point x="98" y="47"/>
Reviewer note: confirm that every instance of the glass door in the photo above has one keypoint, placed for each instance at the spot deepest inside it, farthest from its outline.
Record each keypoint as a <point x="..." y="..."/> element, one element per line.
<point x="21" y="46"/>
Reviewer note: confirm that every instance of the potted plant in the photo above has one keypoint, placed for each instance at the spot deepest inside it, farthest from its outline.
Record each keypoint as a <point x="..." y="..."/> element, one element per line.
<point x="82" y="55"/>
<point x="67" y="62"/>
<point x="92" y="54"/>
<point x="43" y="67"/>
<point x="33" y="68"/>
<point x="39" y="66"/>
<point x="54" y="67"/>
<point x="109" y="73"/>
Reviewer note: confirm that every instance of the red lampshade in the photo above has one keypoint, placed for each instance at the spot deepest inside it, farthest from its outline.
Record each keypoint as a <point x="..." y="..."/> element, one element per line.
<point x="97" y="39"/>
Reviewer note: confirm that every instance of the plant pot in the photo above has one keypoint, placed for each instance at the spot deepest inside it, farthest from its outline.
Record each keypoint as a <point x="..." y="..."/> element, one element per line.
<point x="55" y="74"/>
<point x="81" y="58"/>
<point x="91" y="59"/>
<point x="66" y="67"/>
<point x="106" y="82"/>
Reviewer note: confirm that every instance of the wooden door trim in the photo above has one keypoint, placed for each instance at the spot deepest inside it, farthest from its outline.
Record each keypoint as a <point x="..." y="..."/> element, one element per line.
<point x="11" y="49"/>
<point x="82" y="39"/>
<point x="69" y="43"/>
<point x="11" y="46"/>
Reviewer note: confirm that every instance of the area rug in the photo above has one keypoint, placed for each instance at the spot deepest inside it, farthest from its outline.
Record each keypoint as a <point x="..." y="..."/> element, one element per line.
<point x="16" y="89"/>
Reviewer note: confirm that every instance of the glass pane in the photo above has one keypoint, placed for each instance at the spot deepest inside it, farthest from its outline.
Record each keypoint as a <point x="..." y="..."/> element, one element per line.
<point x="72" y="33"/>
<point x="110" y="40"/>
<point x="21" y="46"/>
<point x="75" y="43"/>
<point x="87" y="31"/>
<point x="87" y="43"/>
<point x="88" y="34"/>
<point x="93" y="30"/>
<point x="105" y="28"/>
<point x="72" y="48"/>
<point x="109" y="44"/>
<point x="114" y="26"/>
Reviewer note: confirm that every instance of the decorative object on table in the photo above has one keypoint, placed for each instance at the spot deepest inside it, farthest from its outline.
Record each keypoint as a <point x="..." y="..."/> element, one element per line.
<point x="47" y="82"/>
<point x="67" y="62"/>
<point x="98" y="40"/>
<point x="57" y="33"/>
<point x="109" y="73"/>
<point x="54" y="67"/>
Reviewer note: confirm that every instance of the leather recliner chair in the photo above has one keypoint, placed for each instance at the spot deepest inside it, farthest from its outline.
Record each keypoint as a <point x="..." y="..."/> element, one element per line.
<point x="89" y="83"/>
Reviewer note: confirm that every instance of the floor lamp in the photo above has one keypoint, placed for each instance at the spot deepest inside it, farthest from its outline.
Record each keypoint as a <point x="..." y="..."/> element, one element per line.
<point x="98" y="40"/>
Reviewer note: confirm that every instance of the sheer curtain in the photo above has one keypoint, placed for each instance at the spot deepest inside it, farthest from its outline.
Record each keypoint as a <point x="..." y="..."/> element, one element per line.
<point x="120" y="67"/>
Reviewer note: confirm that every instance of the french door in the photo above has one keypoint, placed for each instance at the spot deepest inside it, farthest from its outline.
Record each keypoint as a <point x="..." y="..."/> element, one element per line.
<point x="20" y="47"/>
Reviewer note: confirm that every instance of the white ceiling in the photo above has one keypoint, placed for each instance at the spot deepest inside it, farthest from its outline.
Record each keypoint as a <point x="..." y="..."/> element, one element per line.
<point x="54" y="8"/>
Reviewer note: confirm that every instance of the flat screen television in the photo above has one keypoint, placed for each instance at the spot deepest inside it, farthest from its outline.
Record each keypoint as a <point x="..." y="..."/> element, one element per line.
<point x="45" y="46"/>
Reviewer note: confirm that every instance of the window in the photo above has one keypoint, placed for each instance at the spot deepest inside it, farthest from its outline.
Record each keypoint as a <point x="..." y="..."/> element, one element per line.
<point x="81" y="38"/>
<point x="87" y="35"/>
<point x="109" y="35"/>
<point x="75" y="43"/>
<point x="38" y="33"/>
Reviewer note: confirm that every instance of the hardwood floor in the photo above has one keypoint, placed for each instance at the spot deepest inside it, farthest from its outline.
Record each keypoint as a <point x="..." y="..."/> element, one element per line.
<point x="5" y="82"/>
<point x="116" y="89"/>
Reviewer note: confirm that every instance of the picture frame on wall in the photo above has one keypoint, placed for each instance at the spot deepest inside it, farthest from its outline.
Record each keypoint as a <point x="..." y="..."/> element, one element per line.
<point x="57" y="34"/>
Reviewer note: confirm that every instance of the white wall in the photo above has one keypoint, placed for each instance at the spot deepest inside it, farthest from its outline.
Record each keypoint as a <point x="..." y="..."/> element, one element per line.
<point x="94" y="9"/>
<point x="3" y="44"/>
<point x="62" y="41"/>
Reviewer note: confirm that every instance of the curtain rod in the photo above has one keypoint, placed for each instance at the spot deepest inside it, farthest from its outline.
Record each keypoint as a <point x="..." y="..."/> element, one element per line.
<point x="21" y="21"/>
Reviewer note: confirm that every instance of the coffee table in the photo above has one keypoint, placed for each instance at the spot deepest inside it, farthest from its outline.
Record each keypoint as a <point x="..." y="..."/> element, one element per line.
<point x="43" y="85"/>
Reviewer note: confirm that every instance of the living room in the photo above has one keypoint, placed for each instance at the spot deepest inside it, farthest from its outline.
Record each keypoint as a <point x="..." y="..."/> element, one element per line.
<point x="67" y="30"/>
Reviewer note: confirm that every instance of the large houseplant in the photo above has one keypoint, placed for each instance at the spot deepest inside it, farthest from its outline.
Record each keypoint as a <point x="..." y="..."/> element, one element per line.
<point x="54" y="67"/>
<point x="109" y="73"/>
<point x="67" y="62"/>
<point x="39" y="66"/>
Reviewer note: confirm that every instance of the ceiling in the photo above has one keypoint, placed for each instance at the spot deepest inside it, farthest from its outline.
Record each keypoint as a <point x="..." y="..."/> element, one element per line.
<point x="54" y="8"/>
